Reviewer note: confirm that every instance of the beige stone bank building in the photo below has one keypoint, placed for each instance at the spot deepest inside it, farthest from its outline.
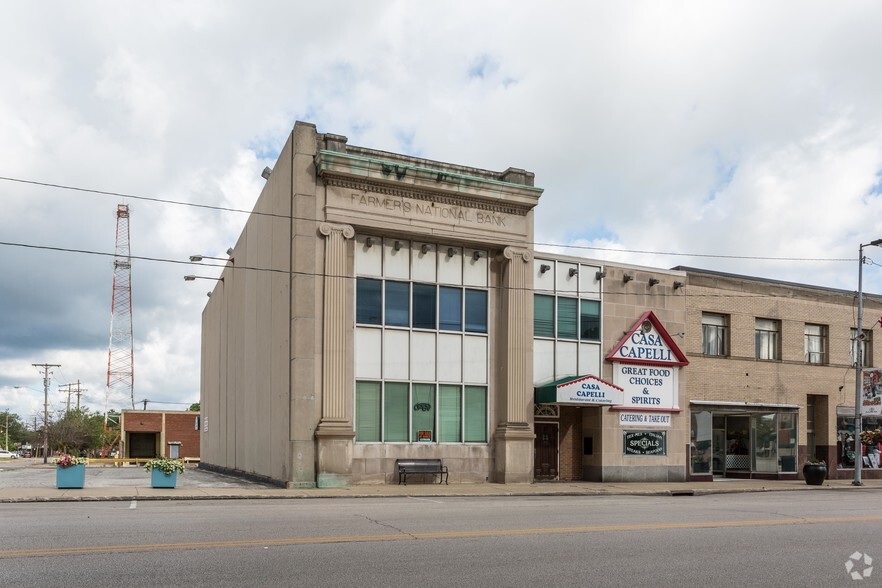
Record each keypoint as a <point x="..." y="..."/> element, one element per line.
<point x="380" y="307"/>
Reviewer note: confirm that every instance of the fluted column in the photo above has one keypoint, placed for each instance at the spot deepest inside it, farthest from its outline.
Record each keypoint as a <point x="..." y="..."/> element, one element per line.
<point x="514" y="434"/>
<point x="334" y="362"/>
<point x="334" y="434"/>
<point x="519" y="314"/>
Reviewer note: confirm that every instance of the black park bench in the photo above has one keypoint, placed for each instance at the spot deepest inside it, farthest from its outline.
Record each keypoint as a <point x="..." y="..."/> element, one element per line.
<point x="421" y="466"/>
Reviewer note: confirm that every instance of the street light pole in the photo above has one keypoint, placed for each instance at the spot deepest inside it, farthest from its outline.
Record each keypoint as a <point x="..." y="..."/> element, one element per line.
<point x="859" y="367"/>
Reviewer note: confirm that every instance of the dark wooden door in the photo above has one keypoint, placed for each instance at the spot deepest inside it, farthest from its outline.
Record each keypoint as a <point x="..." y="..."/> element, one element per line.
<point x="546" y="450"/>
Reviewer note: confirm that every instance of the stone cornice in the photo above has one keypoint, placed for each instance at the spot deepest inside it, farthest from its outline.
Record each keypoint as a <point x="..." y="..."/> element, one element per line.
<point x="419" y="183"/>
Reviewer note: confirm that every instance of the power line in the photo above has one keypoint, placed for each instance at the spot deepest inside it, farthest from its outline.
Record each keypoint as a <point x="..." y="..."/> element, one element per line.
<point x="407" y="225"/>
<point x="329" y="276"/>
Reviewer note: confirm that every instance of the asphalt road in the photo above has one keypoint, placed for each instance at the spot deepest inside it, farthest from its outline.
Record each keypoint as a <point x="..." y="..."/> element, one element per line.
<point x="757" y="539"/>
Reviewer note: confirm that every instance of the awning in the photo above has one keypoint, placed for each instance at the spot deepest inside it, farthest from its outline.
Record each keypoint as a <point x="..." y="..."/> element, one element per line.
<point x="578" y="391"/>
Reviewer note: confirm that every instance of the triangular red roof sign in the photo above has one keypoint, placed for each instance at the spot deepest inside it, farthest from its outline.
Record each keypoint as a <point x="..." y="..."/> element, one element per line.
<point x="648" y="342"/>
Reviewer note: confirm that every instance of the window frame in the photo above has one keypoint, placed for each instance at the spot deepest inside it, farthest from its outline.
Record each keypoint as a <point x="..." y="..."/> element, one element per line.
<point x="720" y="331"/>
<point x="767" y="340"/>
<point x="472" y="410"/>
<point x="819" y="340"/>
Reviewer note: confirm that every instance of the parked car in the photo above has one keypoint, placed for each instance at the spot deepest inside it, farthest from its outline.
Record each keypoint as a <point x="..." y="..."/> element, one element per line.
<point x="7" y="454"/>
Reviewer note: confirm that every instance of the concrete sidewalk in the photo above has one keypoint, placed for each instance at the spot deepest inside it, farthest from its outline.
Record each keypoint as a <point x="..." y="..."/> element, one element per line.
<point x="36" y="484"/>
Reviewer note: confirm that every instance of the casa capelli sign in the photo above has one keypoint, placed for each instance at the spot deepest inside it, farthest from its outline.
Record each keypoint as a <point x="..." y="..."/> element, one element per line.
<point x="579" y="391"/>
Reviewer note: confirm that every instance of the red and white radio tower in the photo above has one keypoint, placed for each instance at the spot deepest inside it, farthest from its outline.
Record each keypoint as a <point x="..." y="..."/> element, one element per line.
<point x="120" y="356"/>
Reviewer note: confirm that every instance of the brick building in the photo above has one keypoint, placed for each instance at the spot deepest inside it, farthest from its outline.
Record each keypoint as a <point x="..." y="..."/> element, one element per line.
<point x="159" y="433"/>
<point x="771" y="378"/>
<point x="590" y="325"/>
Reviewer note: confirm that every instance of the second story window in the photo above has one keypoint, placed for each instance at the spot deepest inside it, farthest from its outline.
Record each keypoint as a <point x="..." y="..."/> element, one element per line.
<point x="768" y="339"/>
<point x="816" y="344"/>
<point x="714" y="334"/>
<point x="566" y="318"/>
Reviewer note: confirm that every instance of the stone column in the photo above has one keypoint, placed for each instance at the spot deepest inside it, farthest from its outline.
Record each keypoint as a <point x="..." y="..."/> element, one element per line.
<point x="335" y="434"/>
<point x="514" y="434"/>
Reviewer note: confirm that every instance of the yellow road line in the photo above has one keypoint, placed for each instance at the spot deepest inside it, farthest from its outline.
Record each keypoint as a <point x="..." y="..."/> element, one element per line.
<point x="101" y="549"/>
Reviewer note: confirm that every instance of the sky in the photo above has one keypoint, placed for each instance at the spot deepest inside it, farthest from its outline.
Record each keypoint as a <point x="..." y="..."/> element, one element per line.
<point x="741" y="136"/>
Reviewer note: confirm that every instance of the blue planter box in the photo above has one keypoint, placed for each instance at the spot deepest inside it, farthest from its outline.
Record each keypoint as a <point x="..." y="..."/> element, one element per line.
<point x="159" y="479"/>
<point x="70" y="477"/>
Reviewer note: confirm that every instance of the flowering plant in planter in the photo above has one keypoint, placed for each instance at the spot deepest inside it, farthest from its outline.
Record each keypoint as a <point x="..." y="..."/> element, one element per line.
<point x="65" y="460"/>
<point x="871" y="437"/>
<point x="165" y="465"/>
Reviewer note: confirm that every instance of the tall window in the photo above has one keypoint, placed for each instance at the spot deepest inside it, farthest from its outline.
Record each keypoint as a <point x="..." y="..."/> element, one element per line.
<point x="543" y="316"/>
<point x="865" y="347"/>
<point x="816" y="344"/>
<point x="395" y="412"/>
<point x="768" y="339"/>
<point x="589" y="320"/>
<point x="573" y="319"/>
<point x="398" y="310"/>
<point x="714" y="334"/>
<point x="390" y="410"/>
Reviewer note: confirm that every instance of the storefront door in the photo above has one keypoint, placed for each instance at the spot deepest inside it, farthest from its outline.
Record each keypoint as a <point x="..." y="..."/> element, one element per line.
<point x="737" y="443"/>
<point x="546" y="451"/>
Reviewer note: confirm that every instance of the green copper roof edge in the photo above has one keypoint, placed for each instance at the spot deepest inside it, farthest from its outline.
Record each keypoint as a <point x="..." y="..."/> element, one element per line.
<point x="428" y="169"/>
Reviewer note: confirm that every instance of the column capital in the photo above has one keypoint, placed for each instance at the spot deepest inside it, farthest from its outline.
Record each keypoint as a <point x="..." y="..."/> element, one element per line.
<point x="526" y="255"/>
<point x="327" y="229"/>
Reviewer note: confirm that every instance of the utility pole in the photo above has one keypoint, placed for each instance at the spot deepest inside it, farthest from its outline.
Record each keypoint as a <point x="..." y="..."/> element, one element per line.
<point x="60" y="386"/>
<point x="45" y="367"/>
<point x="859" y="366"/>
<point x="79" y="392"/>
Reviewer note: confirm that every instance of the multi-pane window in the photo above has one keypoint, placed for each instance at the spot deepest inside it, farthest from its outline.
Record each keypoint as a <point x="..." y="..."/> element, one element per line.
<point x="395" y="412"/>
<point x="421" y="343"/>
<point x="815" y="344"/>
<point x="398" y="309"/>
<point x="866" y="348"/>
<point x="714" y="334"/>
<point x="768" y="339"/>
<point x="572" y="319"/>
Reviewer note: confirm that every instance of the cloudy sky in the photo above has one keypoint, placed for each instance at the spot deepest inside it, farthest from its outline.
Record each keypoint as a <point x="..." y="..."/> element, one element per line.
<point x="734" y="136"/>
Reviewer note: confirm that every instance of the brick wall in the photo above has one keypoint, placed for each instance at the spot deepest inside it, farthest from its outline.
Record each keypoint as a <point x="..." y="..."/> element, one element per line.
<point x="143" y="422"/>
<point x="182" y="428"/>
<point x="570" y="443"/>
<point x="740" y="377"/>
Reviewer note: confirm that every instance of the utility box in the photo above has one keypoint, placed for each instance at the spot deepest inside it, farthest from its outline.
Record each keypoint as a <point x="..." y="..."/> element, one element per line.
<point x="174" y="449"/>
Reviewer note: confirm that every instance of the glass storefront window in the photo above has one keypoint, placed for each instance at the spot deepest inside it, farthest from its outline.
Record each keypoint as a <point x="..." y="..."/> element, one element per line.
<point x="764" y="429"/>
<point x="725" y="441"/>
<point x="787" y="442"/>
<point x="845" y="438"/>
<point x="701" y="446"/>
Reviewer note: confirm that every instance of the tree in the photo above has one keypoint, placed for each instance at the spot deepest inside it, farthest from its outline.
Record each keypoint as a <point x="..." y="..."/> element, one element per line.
<point x="195" y="407"/>
<point x="18" y="433"/>
<point x="77" y="430"/>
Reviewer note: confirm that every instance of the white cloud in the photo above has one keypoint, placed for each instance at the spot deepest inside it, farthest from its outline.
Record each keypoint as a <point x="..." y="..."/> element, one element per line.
<point x="726" y="128"/>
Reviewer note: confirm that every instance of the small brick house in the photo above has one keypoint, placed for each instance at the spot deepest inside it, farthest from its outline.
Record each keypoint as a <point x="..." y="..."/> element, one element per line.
<point x="155" y="433"/>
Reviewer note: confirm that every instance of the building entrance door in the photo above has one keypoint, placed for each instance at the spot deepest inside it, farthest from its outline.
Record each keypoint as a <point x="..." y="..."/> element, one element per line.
<point x="546" y="452"/>
<point x="142" y="445"/>
<point x="738" y="443"/>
